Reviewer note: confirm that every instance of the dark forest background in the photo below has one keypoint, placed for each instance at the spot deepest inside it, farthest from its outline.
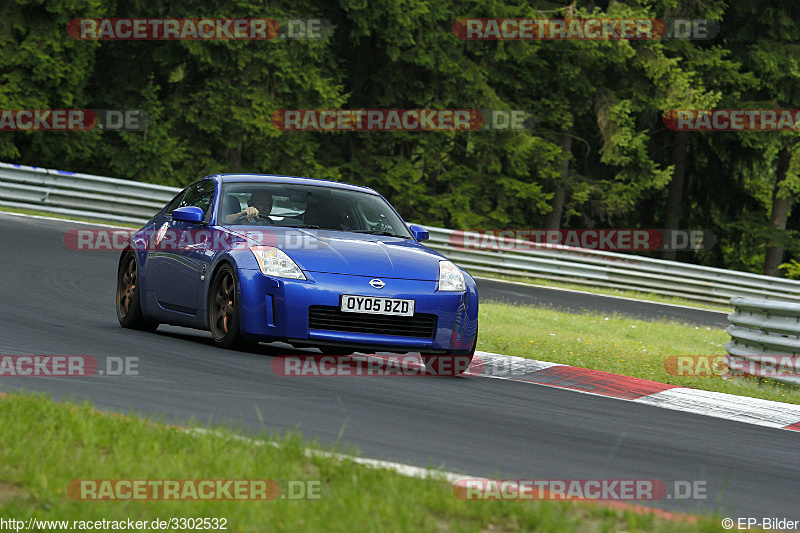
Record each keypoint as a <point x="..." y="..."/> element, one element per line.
<point x="599" y="157"/>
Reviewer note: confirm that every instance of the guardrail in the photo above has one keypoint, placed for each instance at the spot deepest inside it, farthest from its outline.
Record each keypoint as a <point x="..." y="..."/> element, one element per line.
<point x="116" y="200"/>
<point x="72" y="193"/>
<point x="614" y="270"/>
<point x="765" y="339"/>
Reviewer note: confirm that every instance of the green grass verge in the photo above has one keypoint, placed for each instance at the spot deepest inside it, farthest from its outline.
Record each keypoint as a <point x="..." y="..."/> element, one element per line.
<point x="44" y="445"/>
<point x="636" y="295"/>
<point x="615" y="344"/>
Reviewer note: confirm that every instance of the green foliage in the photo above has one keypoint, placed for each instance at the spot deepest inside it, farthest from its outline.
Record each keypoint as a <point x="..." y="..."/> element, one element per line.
<point x="211" y="104"/>
<point x="791" y="269"/>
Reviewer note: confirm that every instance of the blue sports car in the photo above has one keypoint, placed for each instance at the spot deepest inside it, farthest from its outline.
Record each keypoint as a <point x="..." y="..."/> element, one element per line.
<point x="260" y="258"/>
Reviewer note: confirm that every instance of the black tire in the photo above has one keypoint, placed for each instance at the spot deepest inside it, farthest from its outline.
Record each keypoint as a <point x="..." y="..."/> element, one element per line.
<point x="452" y="363"/>
<point x="223" y="311"/>
<point x="129" y="304"/>
<point x="446" y="364"/>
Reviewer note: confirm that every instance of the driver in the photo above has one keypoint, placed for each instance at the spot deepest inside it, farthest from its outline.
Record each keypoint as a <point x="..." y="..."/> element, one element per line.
<point x="260" y="202"/>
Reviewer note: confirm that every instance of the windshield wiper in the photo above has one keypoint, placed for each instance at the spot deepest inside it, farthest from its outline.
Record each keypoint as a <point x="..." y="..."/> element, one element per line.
<point x="379" y="232"/>
<point x="306" y="226"/>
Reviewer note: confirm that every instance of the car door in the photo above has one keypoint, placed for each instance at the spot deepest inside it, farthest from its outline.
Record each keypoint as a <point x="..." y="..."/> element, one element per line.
<point x="177" y="262"/>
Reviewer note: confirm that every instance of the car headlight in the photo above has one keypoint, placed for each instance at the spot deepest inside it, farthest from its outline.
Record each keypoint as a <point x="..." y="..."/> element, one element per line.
<point x="276" y="263"/>
<point x="450" y="277"/>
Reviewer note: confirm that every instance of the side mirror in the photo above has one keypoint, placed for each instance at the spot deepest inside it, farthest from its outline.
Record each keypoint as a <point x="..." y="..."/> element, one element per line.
<point x="189" y="213"/>
<point x="419" y="233"/>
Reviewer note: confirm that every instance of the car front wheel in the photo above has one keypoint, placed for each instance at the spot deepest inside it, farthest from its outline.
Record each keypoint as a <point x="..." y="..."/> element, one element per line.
<point x="223" y="311"/>
<point x="453" y="363"/>
<point x="446" y="364"/>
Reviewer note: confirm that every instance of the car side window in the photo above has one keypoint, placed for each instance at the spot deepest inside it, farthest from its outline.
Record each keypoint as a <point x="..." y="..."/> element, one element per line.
<point x="200" y="195"/>
<point x="173" y="204"/>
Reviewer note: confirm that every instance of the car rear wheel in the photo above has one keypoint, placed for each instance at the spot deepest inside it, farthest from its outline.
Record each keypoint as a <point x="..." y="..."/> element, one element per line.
<point x="223" y="311"/>
<point x="129" y="305"/>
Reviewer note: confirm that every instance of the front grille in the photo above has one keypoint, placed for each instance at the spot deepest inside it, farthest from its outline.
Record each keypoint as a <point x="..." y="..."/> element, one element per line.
<point x="333" y="319"/>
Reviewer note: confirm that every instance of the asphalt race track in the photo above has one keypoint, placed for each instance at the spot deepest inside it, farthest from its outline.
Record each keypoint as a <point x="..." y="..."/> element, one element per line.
<point x="56" y="301"/>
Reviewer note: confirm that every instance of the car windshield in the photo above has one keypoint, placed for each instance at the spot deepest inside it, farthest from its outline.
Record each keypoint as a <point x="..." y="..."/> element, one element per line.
<point x="310" y="206"/>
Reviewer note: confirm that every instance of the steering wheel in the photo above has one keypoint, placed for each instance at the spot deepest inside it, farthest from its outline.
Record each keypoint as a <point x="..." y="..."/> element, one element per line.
<point x="259" y="216"/>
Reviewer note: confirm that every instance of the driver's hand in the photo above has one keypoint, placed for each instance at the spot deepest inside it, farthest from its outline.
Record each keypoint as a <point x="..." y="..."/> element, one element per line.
<point x="251" y="212"/>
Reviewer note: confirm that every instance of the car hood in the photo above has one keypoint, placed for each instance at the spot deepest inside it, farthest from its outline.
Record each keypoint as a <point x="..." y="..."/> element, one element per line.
<point x="340" y="252"/>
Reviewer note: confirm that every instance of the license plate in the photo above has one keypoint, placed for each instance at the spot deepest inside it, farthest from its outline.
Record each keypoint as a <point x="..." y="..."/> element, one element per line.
<point x="377" y="306"/>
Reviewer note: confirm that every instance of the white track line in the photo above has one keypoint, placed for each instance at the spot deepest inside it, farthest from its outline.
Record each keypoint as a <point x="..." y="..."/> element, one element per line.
<point x="56" y="219"/>
<point x="401" y="468"/>
<point x="756" y="411"/>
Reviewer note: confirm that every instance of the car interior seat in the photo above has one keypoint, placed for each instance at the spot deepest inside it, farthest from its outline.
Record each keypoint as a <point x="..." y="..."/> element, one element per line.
<point x="231" y="205"/>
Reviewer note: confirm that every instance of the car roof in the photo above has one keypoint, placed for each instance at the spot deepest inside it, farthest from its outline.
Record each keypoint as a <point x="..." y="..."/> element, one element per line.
<point x="272" y="178"/>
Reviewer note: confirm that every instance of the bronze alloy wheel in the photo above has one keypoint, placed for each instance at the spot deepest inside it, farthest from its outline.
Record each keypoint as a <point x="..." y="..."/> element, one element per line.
<point x="129" y="306"/>
<point x="223" y="311"/>
<point x="223" y="304"/>
<point x="126" y="287"/>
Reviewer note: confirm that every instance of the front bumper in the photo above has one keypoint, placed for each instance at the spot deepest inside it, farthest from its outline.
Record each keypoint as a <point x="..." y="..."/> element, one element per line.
<point x="277" y="309"/>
